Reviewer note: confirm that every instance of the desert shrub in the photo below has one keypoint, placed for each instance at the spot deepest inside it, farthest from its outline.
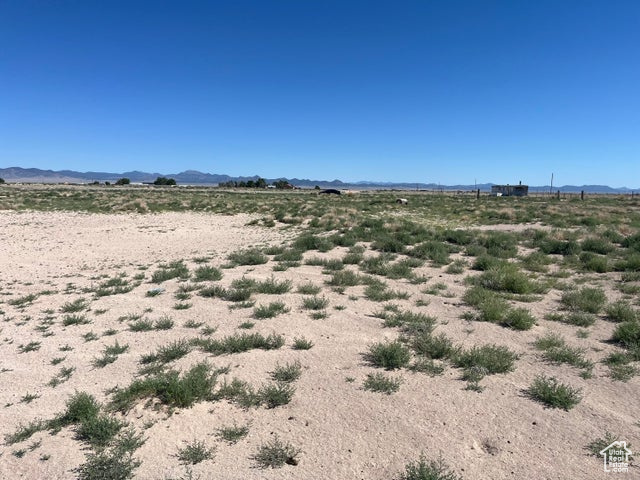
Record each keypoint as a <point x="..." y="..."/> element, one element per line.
<point x="275" y="394"/>
<point x="287" y="373"/>
<point x="315" y="303"/>
<point x="169" y="271"/>
<point x="621" y="311"/>
<point x="428" y="366"/>
<point x="377" y="382"/>
<point x="233" y="434"/>
<point x="75" y="320"/>
<point x="579" y="319"/>
<point x="289" y="255"/>
<point x="411" y="323"/>
<point x="76" y="306"/>
<point x="389" y="355"/>
<point x="501" y="244"/>
<point x="169" y="387"/>
<point x="110" y="464"/>
<point x="81" y="408"/>
<point x="592" y="262"/>
<point x="506" y="278"/>
<point x="248" y="257"/>
<point x="98" y="431"/>
<point x="627" y="334"/>
<point x="344" y="278"/>
<point x="518" y="319"/>
<point x="492" y="358"/>
<point x="309" y="241"/>
<point x="559" y="247"/>
<point x="240" y="343"/>
<point x="207" y="273"/>
<point x="432" y="250"/>
<point x="302" y="344"/>
<point x="536" y="262"/>
<point x="271" y="310"/>
<point x="434" y="347"/>
<point x="457" y="267"/>
<point x="275" y="454"/>
<point x="380" y="292"/>
<point x="168" y="353"/>
<point x="272" y="286"/>
<point x="388" y="243"/>
<point x="597" y="245"/>
<point x="195" y="452"/>
<point x="551" y="392"/>
<point x="587" y="299"/>
<point x="424" y="469"/>
<point x="486" y="262"/>
<point x="309" y="289"/>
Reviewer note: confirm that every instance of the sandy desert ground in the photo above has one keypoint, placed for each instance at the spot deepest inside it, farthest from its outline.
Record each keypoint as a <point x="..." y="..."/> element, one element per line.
<point x="341" y="429"/>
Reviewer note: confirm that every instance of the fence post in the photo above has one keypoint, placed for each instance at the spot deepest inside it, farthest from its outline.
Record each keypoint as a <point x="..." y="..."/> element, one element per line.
<point x="582" y="195"/>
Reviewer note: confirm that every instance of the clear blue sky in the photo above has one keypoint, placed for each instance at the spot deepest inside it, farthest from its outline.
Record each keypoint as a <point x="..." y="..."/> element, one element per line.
<point x="447" y="91"/>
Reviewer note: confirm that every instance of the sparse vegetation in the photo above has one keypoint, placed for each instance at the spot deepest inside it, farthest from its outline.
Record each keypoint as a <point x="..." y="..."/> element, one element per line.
<point x="380" y="383"/>
<point x="551" y="392"/>
<point x="276" y="454"/>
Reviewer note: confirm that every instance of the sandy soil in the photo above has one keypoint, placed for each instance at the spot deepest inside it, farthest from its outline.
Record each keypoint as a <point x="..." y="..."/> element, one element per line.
<point x="343" y="431"/>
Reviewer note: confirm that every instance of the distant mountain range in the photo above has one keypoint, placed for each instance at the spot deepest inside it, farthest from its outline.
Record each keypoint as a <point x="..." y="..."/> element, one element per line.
<point x="193" y="177"/>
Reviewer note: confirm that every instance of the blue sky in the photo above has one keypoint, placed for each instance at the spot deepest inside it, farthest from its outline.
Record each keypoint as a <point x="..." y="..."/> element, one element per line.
<point x="448" y="91"/>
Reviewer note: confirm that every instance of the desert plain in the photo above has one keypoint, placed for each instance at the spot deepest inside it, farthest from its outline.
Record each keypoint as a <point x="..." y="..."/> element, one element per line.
<point x="158" y="333"/>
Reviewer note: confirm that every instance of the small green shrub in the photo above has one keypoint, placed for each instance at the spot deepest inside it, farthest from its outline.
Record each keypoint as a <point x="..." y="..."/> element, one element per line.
<point x="344" y="278"/>
<point x="69" y="320"/>
<point x="169" y="271"/>
<point x="273" y="286"/>
<point x="110" y="464"/>
<point x="233" y="434"/>
<point x="170" y="388"/>
<point x="273" y="395"/>
<point x="287" y="373"/>
<point x="518" y="319"/>
<point x="551" y="392"/>
<point x="377" y="382"/>
<point x="248" y="257"/>
<point x="424" y="469"/>
<point x="428" y="366"/>
<point x="590" y="300"/>
<point x="389" y="355"/>
<point x="621" y="311"/>
<point x="276" y="454"/>
<point x="240" y="343"/>
<point x="315" y="303"/>
<point x="195" y="452"/>
<point x="98" y="431"/>
<point x="309" y="289"/>
<point x="627" y="334"/>
<point x="579" y="319"/>
<point x="271" y="310"/>
<point x="302" y="344"/>
<point x="493" y="358"/>
<point x="434" y="347"/>
<point x="73" y="307"/>
<point x="206" y="273"/>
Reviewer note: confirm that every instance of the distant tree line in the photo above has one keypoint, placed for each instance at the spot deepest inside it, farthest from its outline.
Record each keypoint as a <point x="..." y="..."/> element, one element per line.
<point x="157" y="181"/>
<point x="164" y="181"/>
<point x="259" y="183"/>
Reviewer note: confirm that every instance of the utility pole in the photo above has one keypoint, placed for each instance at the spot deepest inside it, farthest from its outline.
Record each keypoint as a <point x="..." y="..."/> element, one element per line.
<point x="551" y="187"/>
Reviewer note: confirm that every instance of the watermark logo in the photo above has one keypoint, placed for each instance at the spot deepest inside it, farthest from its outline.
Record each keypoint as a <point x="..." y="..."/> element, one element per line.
<point x="616" y="457"/>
